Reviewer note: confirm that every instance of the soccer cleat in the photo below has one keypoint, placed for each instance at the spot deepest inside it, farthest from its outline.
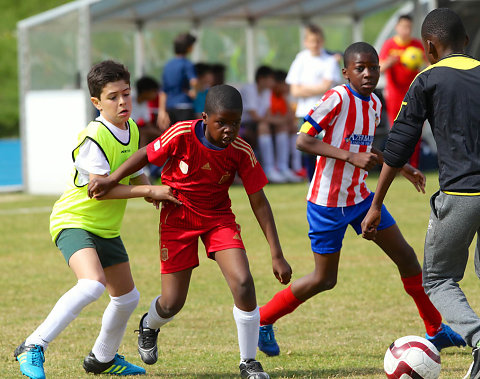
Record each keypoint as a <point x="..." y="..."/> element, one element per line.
<point x="252" y="369"/>
<point x="31" y="360"/>
<point x="474" y="370"/>
<point x="446" y="337"/>
<point x="117" y="366"/>
<point x="267" y="342"/>
<point x="147" y="343"/>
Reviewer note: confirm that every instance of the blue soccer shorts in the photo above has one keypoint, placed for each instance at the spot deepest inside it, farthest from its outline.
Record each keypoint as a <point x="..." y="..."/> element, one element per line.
<point x="328" y="224"/>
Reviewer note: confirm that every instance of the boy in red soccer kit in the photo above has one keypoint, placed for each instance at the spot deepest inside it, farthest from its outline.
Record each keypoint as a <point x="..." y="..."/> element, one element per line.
<point x="201" y="158"/>
<point x="398" y="77"/>
<point x="338" y="196"/>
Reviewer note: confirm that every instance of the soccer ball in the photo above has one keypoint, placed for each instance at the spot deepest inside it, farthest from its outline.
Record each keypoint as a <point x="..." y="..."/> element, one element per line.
<point x="412" y="58"/>
<point x="412" y="357"/>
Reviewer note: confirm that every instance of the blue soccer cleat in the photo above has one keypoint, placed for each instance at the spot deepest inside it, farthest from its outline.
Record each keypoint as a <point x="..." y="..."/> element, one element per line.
<point x="31" y="360"/>
<point x="446" y="337"/>
<point x="267" y="342"/>
<point x="118" y="366"/>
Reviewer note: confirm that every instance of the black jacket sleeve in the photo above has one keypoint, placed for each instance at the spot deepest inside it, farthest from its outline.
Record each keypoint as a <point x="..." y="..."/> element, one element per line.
<point x="407" y="128"/>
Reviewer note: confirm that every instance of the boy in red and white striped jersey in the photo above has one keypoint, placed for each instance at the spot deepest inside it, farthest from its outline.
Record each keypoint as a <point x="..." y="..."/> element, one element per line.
<point x="201" y="158"/>
<point x="338" y="197"/>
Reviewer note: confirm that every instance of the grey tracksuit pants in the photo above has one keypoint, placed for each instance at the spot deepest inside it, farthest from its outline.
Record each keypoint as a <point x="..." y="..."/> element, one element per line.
<point x="454" y="221"/>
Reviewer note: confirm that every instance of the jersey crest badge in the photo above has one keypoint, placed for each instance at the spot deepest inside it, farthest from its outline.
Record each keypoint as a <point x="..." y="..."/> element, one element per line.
<point x="156" y="145"/>
<point x="183" y="167"/>
<point x="164" y="254"/>
<point x="206" y="166"/>
<point x="224" y="178"/>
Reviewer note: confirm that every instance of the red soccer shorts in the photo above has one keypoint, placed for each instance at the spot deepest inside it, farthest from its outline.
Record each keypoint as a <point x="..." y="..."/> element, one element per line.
<point x="179" y="246"/>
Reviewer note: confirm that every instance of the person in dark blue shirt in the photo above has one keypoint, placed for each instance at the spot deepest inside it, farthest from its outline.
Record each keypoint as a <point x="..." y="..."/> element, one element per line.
<point x="179" y="84"/>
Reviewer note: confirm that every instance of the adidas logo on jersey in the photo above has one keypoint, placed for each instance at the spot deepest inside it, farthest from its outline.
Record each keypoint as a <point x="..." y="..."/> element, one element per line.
<point x="206" y="166"/>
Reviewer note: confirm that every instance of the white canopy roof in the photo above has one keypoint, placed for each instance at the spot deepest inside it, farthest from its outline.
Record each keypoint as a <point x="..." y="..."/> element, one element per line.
<point x="199" y="11"/>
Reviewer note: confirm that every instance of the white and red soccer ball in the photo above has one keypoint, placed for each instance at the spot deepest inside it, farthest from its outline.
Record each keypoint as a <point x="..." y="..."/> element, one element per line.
<point x="412" y="357"/>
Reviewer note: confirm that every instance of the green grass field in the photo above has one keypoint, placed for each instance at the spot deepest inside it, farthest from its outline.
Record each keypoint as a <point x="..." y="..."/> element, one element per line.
<point x="342" y="333"/>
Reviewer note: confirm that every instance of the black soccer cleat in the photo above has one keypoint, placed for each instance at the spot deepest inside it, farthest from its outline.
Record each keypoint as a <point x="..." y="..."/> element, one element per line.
<point x="252" y="369"/>
<point x="147" y="343"/>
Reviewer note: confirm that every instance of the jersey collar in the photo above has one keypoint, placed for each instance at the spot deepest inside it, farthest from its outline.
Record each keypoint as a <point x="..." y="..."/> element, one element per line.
<point x="356" y="94"/>
<point x="200" y="133"/>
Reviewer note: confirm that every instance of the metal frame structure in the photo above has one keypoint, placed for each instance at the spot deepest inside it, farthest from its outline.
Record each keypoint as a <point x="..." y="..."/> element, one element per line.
<point x="157" y="14"/>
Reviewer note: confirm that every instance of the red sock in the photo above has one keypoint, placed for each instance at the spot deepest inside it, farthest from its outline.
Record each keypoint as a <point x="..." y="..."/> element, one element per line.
<point x="284" y="302"/>
<point x="431" y="317"/>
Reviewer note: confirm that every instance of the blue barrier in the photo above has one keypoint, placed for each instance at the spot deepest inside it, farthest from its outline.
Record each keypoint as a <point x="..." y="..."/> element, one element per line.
<point x="10" y="164"/>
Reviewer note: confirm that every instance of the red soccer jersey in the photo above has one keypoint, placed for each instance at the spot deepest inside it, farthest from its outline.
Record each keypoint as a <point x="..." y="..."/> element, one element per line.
<point x="200" y="176"/>
<point x="398" y="76"/>
<point x="349" y="120"/>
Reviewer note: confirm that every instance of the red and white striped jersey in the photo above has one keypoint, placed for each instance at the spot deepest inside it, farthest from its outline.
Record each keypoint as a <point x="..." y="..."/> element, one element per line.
<point x="200" y="176"/>
<point x="349" y="121"/>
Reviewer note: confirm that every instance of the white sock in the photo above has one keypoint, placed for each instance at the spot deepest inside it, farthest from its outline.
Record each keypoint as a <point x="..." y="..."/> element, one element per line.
<point x="153" y="319"/>
<point x="65" y="311"/>
<point x="282" y="151"/>
<point x="265" y="144"/>
<point x="114" y="322"/>
<point x="296" y="154"/>
<point x="248" y="324"/>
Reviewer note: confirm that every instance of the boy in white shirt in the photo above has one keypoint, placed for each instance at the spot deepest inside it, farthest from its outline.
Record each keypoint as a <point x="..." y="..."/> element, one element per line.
<point x="313" y="72"/>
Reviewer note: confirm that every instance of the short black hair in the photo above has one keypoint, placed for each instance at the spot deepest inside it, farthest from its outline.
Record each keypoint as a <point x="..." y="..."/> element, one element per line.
<point x="103" y="73"/>
<point x="145" y="84"/>
<point x="405" y="17"/>
<point x="263" y="72"/>
<point x="183" y="42"/>
<point x="358" y="48"/>
<point x="223" y="97"/>
<point x="446" y="26"/>
<point x="280" y="75"/>
<point x="202" y="68"/>
<point x="218" y="70"/>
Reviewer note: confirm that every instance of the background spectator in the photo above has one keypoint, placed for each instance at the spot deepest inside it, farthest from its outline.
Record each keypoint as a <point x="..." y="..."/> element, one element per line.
<point x="205" y="80"/>
<point x="312" y="73"/>
<point x="398" y="77"/>
<point x="179" y="84"/>
<point x="146" y="91"/>
<point x="282" y="112"/>
<point x="259" y="125"/>
<point x="218" y="70"/>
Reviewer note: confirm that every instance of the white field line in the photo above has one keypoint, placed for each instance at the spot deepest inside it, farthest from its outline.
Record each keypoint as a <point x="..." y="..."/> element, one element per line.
<point x="37" y="210"/>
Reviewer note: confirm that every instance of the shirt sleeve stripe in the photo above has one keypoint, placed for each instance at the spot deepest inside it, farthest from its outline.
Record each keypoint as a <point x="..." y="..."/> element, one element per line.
<point x="169" y="138"/>
<point x="173" y="129"/>
<point x="251" y="155"/>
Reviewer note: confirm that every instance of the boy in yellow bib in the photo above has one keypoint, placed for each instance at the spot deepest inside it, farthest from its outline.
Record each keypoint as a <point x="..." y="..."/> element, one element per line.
<point x="87" y="231"/>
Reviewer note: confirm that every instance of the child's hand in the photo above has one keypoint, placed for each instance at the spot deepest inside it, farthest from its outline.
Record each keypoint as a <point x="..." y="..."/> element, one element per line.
<point x="415" y="176"/>
<point x="282" y="270"/>
<point x="162" y="193"/>
<point x="99" y="186"/>
<point x="364" y="160"/>
<point x="370" y="223"/>
<point x="155" y="203"/>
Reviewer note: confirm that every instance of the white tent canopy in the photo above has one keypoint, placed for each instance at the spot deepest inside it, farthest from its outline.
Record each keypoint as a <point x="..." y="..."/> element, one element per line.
<point x="57" y="48"/>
